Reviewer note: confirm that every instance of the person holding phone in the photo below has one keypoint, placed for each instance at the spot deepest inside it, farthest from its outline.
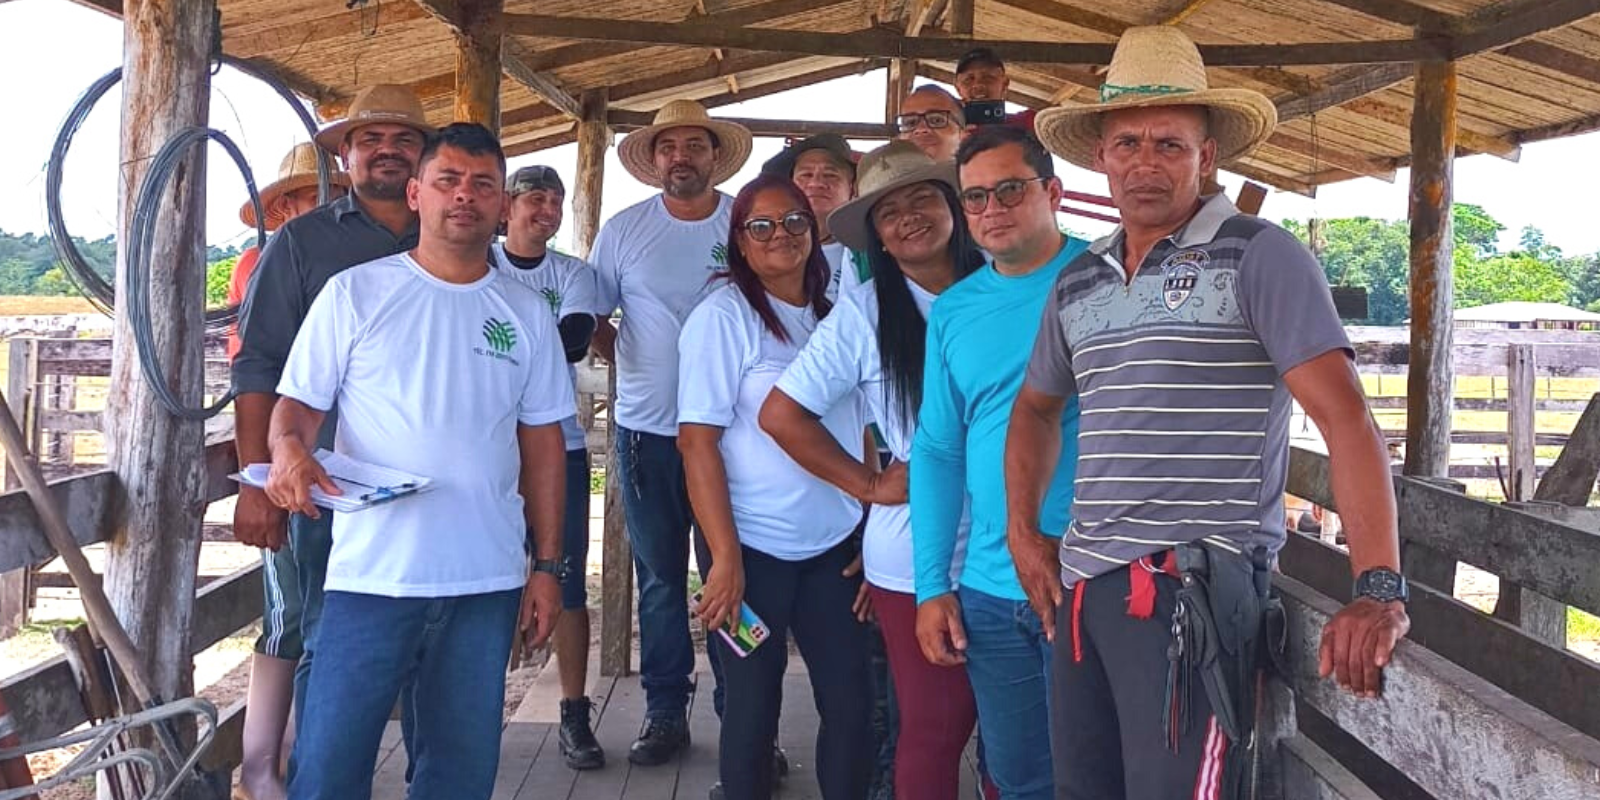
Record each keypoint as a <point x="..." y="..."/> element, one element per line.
<point x="982" y="83"/>
<point x="780" y="537"/>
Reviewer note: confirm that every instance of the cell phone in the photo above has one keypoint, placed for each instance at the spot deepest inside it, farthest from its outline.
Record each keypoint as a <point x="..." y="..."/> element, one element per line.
<point x="745" y="635"/>
<point x="985" y="112"/>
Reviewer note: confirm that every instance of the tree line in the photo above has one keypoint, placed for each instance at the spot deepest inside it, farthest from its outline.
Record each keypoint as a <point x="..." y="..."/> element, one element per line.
<point x="29" y="265"/>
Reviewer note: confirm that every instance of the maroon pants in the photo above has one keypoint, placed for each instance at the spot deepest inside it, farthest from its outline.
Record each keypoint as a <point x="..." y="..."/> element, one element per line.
<point x="937" y="712"/>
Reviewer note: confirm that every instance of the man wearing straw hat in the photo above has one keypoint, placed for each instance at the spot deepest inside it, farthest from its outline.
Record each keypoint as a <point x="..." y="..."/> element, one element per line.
<point x="655" y="260"/>
<point x="1183" y="336"/>
<point x="279" y="647"/>
<point x="380" y="140"/>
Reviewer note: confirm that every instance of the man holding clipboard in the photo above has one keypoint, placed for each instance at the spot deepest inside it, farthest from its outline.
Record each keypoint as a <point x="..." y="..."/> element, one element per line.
<point x="443" y="368"/>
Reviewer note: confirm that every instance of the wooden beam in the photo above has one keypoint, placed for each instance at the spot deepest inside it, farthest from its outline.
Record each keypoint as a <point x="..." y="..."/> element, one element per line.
<point x="516" y="146"/>
<point x="1570" y="481"/>
<point x="151" y="561"/>
<point x="1509" y="22"/>
<point x="513" y="58"/>
<point x="962" y="17"/>
<point x="1344" y="86"/>
<point x="1400" y="12"/>
<point x="1466" y="139"/>
<point x="794" y="82"/>
<point x="1499" y="746"/>
<point x="1070" y="14"/>
<point x="111" y="8"/>
<point x="478" y="69"/>
<point x="1520" y="395"/>
<point x="1555" y="59"/>
<point x="1430" y="384"/>
<point x="890" y="44"/>
<point x="925" y="16"/>
<point x="630" y="120"/>
<point x="290" y="33"/>
<point x="1323" y="155"/>
<point x="898" y="79"/>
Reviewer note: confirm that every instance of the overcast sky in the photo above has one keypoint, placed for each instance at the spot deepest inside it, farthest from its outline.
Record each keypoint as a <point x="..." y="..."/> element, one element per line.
<point x="51" y="50"/>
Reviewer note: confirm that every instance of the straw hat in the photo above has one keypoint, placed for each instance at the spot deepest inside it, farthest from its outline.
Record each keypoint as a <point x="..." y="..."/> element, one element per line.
<point x="380" y="103"/>
<point x="890" y="167"/>
<point x="1159" y="66"/>
<point x="637" y="149"/>
<point x="297" y="171"/>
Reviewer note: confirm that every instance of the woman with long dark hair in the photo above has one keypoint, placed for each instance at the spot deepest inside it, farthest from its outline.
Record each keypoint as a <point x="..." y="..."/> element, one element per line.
<point x="780" y="538"/>
<point x="909" y="222"/>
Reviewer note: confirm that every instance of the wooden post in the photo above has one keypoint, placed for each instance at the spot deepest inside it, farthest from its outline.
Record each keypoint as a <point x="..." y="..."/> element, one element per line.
<point x="478" y="68"/>
<point x="1520" y="390"/>
<point x="14" y="584"/>
<point x="961" y="17"/>
<point x="159" y="459"/>
<point x="1430" y="379"/>
<point x="902" y="71"/>
<point x="594" y="138"/>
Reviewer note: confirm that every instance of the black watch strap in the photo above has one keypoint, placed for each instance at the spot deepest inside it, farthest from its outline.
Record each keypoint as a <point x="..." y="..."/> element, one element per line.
<point x="553" y="566"/>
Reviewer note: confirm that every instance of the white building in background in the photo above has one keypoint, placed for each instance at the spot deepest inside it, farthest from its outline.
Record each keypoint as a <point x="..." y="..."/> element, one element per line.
<point x="1527" y="316"/>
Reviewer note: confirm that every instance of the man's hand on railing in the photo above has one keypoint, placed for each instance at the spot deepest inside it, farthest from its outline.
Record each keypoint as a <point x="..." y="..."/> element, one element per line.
<point x="1359" y="642"/>
<point x="259" y="522"/>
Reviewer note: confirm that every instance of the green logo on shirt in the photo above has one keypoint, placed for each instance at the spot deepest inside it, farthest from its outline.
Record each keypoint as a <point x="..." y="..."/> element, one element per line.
<point x="500" y="335"/>
<point x="719" y="254"/>
<point x="552" y="297"/>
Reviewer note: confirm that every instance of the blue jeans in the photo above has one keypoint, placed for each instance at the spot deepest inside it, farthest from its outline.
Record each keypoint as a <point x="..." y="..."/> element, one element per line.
<point x="1008" y="662"/>
<point x="655" y="501"/>
<point x="449" y="654"/>
<point x="310" y="541"/>
<point x="575" y="533"/>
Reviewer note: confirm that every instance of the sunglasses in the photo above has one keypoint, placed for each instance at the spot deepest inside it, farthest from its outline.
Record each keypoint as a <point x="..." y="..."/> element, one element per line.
<point x="933" y="119"/>
<point x="1009" y="192"/>
<point x="762" y="229"/>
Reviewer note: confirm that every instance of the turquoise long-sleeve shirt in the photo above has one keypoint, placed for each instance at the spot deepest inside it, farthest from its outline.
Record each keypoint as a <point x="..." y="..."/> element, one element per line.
<point x="980" y="335"/>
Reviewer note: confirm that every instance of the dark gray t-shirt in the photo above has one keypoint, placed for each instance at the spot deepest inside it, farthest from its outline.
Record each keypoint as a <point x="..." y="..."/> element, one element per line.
<point x="298" y="259"/>
<point x="1179" y="376"/>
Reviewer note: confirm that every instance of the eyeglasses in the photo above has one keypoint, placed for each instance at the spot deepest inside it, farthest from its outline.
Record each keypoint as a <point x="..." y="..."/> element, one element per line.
<point x="763" y="229"/>
<point x="1009" y="192"/>
<point x="933" y="119"/>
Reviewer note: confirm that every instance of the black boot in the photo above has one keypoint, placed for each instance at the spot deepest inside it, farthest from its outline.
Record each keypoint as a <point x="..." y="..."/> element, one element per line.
<point x="663" y="739"/>
<point x="578" y="746"/>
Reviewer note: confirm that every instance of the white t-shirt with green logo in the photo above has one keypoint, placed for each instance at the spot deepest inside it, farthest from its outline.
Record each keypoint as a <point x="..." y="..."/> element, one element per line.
<point x="432" y="378"/>
<point x="656" y="268"/>
<point x="567" y="284"/>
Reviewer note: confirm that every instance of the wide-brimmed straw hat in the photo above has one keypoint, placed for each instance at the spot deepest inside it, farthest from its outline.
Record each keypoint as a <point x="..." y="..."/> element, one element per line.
<point x="380" y="103"/>
<point x="637" y="149"/>
<point x="1159" y="66"/>
<point x="298" y="170"/>
<point x="890" y="167"/>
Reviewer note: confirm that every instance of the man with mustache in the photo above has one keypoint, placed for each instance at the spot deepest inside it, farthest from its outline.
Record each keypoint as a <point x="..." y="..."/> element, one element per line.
<point x="978" y="346"/>
<point x="380" y="140"/>
<point x="568" y="285"/>
<point x="655" y="260"/>
<point x="931" y="118"/>
<point x="824" y="168"/>
<point x="445" y="368"/>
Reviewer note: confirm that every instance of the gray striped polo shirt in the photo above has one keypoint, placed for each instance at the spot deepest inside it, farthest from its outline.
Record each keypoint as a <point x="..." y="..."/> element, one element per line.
<point x="1179" y="375"/>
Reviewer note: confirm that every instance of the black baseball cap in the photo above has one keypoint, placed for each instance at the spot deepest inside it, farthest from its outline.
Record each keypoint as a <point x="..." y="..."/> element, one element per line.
<point x="783" y="163"/>
<point x="529" y="179"/>
<point x="979" y="56"/>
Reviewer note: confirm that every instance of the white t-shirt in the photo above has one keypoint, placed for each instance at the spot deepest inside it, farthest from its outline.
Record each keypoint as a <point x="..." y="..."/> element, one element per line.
<point x="842" y="269"/>
<point x="656" y="268"/>
<point x="568" y="285"/>
<point x="839" y="362"/>
<point x="729" y="363"/>
<point x="432" y="378"/>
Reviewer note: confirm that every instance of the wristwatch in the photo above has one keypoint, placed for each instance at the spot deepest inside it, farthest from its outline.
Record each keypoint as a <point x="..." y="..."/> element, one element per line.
<point x="1383" y="585"/>
<point x="554" y="566"/>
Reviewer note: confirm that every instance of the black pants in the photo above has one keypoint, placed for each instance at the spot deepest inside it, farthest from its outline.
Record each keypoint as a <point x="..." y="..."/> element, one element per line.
<point x="812" y="599"/>
<point x="1107" y="740"/>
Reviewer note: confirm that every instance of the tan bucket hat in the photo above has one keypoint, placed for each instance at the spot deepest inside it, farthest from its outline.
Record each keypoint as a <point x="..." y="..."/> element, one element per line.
<point x="1159" y="66"/>
<point x="637" y="149"/>
<point x="297" y="171"/>
<point x="890" y="167"/>
<point x="384" y="102"/>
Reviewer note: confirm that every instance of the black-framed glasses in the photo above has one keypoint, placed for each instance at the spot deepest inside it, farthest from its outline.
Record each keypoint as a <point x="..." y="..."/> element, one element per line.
<point x="762" y="229"/>
<point x="974" y="199"/>
<point x="933" y="119"/>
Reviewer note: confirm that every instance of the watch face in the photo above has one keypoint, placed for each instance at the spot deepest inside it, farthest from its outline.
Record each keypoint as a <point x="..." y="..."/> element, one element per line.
<point x="1381" y="584"/>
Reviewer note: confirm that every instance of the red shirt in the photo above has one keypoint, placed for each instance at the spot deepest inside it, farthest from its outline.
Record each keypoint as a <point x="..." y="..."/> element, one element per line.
<point x="237" y="285"/>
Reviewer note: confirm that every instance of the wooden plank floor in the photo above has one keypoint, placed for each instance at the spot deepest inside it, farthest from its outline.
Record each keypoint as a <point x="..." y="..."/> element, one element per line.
<point x="530" y="759"/>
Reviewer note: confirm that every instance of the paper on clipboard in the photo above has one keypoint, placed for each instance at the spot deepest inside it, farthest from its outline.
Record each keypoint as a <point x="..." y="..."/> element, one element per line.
<point x="364" y="485"/>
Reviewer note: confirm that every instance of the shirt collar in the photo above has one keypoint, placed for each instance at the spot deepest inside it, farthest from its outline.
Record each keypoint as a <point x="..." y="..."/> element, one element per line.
<point x="347" y="205"/>
<point x="1200" y="229"/>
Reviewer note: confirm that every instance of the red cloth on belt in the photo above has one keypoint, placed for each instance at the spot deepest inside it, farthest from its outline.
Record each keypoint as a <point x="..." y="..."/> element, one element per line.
<point x="1142" y="583"/>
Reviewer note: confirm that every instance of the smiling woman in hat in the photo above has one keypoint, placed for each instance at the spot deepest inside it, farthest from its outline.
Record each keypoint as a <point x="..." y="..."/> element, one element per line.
<point x="1182" y="338"/>
<point x="909" y="223"/>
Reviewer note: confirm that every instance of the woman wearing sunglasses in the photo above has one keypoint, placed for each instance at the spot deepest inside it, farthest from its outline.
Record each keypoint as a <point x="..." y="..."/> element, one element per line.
<point x="907" y="220"/>
<point x="779" y="537"/>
